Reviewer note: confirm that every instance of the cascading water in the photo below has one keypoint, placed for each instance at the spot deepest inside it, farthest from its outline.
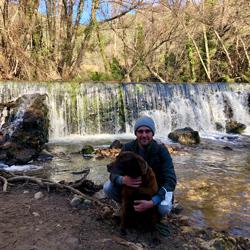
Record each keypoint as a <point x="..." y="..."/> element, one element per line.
<point x="109" y="108"/>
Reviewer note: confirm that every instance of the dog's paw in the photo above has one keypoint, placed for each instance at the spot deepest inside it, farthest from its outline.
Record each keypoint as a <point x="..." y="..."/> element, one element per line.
<point x="155" y="242"/>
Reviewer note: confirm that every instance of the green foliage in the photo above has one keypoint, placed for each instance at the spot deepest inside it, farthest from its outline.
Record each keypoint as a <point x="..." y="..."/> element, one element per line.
<point x="170" y="60"/>
<point x="226" y="78"/>
<point x="191" y="60"/>
<point x="246" y="77"/>
<point x="117" y="71"/>
<point x="100" y="76"/>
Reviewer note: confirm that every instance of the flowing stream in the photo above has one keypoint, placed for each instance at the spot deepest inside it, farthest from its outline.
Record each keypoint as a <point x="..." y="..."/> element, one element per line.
<point x="213" y="177"/>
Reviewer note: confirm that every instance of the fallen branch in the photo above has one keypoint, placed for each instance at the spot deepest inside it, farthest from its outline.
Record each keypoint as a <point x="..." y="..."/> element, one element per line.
<point x="44" y="183"/>
<point x="27" y="178"/>
<point x="5" y="183"/>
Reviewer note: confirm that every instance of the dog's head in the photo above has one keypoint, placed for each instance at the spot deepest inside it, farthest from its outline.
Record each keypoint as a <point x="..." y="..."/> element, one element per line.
<point x="128" y="163"/>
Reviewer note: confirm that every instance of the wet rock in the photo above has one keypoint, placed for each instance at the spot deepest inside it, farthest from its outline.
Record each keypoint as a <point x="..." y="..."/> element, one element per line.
<point x="234" y="127"/>
<point x="219" y="126"/>
<point x="177" y="208"/>
<point x="88" y="150"/>
<point x="227" y="148"/>
<point x="45" y="156"/>
<point x="185" y="136"/>
<point x="107" y="153"/>
<point x="25" y="129"/>
<point x="184" y="220"/>
<point x="116" y="144"/>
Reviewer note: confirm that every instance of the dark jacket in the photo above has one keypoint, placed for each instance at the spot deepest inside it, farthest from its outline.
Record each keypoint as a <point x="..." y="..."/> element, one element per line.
<point x="159" y="159"/>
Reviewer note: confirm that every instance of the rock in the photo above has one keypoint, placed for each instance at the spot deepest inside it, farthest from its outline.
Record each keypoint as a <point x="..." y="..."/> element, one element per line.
<point x="177" y="208"/>
<point x="221" y="243"/>
<point x="106" y="213"/>
<point x="36" y="214"/>
<point x="88" y="150"/>
<point x="87" y="202"/>
<point x="227" y="148"/>
<point x="99" y="195"/>
<point x="38" y="195"/>
<point x="234" y="127"/>
<point x="25" y="129"/>
<point x="219" y="126"/>
<point x="186" y="229"/>
<point x="45" y="156"/>
<point x="110" y="153"/>
<point x="76" y="201"/>
<point x="116" y="144"/>
<point x="185" y="136"/>
<point x="183" y="220"/>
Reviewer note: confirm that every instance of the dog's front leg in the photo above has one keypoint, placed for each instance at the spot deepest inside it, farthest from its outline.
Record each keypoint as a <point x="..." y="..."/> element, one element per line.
<point x="123" y="217"/>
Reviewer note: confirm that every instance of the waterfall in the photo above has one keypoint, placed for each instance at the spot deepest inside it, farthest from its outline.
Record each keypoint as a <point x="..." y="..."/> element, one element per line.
<point x="112" y="108"/>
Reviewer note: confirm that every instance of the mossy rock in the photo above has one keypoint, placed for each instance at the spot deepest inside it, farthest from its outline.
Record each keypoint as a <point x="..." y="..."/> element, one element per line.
<point x="219" y="126"/>
<point x="88" y="150"/>
<point x="234" y="127"/>
<point x="185" y="136"/>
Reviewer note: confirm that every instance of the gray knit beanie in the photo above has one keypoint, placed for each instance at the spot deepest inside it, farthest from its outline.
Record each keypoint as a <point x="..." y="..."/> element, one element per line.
<point x="145" y="121"/>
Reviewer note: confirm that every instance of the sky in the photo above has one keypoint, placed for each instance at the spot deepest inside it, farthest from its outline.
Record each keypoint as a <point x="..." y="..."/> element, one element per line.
<point x="86" y="12"/>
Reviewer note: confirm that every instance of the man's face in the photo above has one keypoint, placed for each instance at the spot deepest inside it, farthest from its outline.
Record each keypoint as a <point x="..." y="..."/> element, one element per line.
<point x="144" y="136"/>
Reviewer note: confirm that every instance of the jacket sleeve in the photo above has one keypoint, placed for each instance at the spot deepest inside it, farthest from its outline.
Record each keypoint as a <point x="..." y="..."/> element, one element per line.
<point x="168" y="176"/>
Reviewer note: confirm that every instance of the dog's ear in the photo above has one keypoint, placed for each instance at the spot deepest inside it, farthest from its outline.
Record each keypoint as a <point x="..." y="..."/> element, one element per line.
<point x="144" y="166"/>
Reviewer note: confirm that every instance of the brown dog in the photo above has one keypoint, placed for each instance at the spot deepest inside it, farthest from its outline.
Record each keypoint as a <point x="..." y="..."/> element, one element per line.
<point x="130" y="164"/>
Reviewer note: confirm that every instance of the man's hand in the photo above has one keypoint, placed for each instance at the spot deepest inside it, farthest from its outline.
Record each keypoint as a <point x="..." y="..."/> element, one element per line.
<point x="132" y="182"/>
<point x="142" y="205"/>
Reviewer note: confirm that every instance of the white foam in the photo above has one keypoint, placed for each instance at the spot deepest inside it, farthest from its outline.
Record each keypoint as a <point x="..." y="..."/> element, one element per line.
<point x="22" y="168"/>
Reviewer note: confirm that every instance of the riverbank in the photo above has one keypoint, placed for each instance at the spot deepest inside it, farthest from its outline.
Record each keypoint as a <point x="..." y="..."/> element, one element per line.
<point x="50" y="222"/>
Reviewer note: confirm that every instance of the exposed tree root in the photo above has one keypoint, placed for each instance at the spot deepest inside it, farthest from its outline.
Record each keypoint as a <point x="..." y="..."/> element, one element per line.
<point x="8" y="178"/>
<point x="5" y="183"/>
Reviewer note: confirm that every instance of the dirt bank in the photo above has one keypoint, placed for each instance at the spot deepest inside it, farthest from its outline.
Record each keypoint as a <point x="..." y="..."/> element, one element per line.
<point x="50" y="222"/>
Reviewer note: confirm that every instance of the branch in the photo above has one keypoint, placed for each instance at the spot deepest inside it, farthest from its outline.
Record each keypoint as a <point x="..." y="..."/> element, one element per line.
<point x="5" y="183"/>
<point x="133" y="7"/>
<point x="224" y="48"/>
<point x="155" y="73"/>
<point x="43" y="183"/>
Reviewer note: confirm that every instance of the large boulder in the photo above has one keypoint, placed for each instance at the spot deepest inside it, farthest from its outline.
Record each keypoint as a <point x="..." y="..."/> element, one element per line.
<point x="234" y="127"/>
<point x="24" y="129"/>
<point x="185" y="136"/>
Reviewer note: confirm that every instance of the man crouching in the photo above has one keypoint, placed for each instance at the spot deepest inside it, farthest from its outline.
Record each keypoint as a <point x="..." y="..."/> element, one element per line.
<point x="158" y="158"/>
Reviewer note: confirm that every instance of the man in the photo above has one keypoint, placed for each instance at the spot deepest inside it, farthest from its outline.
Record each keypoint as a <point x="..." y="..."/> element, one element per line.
<point x="158" y="157"/>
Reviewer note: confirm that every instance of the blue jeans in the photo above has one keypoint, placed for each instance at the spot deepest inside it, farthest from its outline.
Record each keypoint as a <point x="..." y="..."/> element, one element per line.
<point x="114" y="193"/>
